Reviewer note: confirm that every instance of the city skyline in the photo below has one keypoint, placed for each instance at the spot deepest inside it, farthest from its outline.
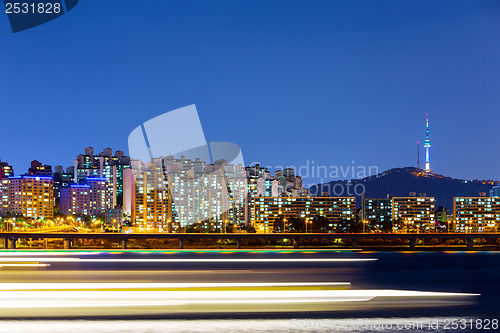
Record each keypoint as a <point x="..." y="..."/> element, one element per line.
<point x="178" y="194"/>
<point x="355" y="90"/>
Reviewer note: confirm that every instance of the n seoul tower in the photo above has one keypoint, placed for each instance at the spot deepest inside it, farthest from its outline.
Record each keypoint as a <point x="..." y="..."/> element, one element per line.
<point x="427" y="146"/>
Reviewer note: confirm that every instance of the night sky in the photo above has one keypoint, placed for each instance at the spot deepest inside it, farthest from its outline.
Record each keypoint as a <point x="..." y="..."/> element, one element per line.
<point x="289" y="81"/>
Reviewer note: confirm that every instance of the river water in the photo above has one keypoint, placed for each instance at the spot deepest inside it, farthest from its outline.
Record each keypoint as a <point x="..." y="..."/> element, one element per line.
<point x="450" y="272"/>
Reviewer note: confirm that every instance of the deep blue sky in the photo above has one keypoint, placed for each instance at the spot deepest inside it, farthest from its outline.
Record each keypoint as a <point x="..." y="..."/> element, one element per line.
<point x="289" y="81"/>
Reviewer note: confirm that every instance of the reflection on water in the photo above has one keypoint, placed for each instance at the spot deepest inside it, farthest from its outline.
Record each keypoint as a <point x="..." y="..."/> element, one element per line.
<point x="245" y="291"/>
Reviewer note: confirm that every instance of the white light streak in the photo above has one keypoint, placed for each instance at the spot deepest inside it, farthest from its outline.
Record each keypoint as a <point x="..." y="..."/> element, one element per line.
<point x="152" y="260"/>
<point x="65" y="286"/>
<point x="24" y="265"/>
<point x="89" y="298"/>
<point x="22" y="254"/>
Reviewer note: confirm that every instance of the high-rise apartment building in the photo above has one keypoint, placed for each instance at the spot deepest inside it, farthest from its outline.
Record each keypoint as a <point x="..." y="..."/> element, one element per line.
<point x="268" y="209"/>
<point x="175" y="193"/>
<point x="291" y="184"/>
<point x="6" y="171"/>
<point x="4" y="196"/>
<point x="103" y="165"/>
<point x="260" y="183"/>
<point x="75" y="199"/>
<point x="414" y="213"/>
<point x="101" y="197"/>
<point x="91" y="197"/>
<point x="147" y="198"/>
<point x="61" y="179"/>
<point x="31" y="196"/>
<point x="476" y="214"/>
<point x="39" y="169"/>
<point x="376" y="213"/>
<point x="236" y="184"/>
<point x="210" y="193"/>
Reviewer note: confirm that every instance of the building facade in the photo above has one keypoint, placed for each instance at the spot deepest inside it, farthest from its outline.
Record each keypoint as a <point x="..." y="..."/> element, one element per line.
<point x="291" y="185"/>
<point x="91" y="197"/>
<point x="377" y="213"/>
<point x="6" y="171"/>
<point x="413" y="214"/>
<point x="476" y="214"/>
<point x="75" y="200"/>
<point x="61" y="179"/>
<point x="267" y="210"/>
<point x="101" y="195"/>
<point x="4" y="196"/>
<point x="102" y="165"/>
<point x="147" y="198"/>
<point x="39" y="169"/>
<point x="31" y="196"/>
<point x="177" y="194"/>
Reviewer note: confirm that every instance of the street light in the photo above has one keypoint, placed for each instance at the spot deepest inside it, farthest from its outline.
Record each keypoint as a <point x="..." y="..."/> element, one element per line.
<point x="284" y="225"/>
<point x="307" y="222"/>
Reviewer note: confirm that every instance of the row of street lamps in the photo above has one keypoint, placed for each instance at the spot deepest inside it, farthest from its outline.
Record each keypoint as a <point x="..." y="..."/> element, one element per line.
<point x="307" y="223"/>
